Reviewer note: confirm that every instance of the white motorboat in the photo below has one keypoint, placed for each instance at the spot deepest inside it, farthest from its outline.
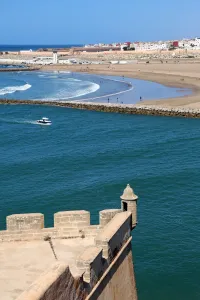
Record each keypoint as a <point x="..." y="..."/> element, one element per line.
<point x="44" y="121"/>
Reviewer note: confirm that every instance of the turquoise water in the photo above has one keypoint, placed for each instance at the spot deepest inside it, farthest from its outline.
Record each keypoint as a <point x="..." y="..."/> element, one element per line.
<point x="54" y="86"/>
<point x="84" y="161"/>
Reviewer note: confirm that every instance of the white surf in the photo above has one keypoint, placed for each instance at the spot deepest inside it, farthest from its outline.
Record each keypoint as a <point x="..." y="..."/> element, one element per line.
<point x="13" y="89"/>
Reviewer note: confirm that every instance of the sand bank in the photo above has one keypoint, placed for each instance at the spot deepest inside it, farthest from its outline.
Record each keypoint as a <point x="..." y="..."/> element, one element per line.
<point x="182" y="74"/>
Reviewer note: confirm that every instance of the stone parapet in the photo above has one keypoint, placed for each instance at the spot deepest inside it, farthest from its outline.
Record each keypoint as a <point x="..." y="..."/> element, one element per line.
<point x="90" y="263"/>
<point x="25" y="222"/>
<point x="105" y="216"/>
<point x="65" y="233"/>
<point x="72" y="219"/>
<point x="56" y="283"/>
<point x="69" y="224"/>
<point x="95" y="260"/>
<point x="93" y="263"/>
<point x="118" y="280"/>
<point x="114" y="235"/>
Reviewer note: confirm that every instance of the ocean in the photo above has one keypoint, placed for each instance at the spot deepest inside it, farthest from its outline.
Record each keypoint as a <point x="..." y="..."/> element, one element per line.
<point x="15" y="48"/>
<point x="54" y="86"/>
<point x="84" y="161"/>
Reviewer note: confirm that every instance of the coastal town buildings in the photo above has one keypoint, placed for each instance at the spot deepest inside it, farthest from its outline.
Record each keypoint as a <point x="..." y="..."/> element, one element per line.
<point x="189" y="44"/>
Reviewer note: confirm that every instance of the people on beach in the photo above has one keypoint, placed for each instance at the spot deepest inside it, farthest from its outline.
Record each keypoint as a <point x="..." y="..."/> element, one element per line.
<point x="140" y="98"/>
<point x="108" y="100"/>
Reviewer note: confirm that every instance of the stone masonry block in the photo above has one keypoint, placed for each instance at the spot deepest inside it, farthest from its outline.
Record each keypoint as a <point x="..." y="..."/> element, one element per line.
<point x="114" y="234"/>
<point x="91" y="263"/>
<point x="25" y="222"/>
<point x="72" y="219"/>
<point x="106" y="215"/>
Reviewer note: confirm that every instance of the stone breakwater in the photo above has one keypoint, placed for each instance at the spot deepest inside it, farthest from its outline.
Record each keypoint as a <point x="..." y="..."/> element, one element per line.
<point x="153" y="110"/>
<point x="15" y="69"/>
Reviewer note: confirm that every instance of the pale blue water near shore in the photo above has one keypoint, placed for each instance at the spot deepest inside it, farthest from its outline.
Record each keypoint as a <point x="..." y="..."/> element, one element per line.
<point x="73" y="86"/>
<point x="84" y="161"/>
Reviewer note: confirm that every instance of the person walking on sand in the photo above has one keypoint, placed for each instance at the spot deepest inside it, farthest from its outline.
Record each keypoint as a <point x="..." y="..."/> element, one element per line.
<point x="140" y="98"/>
<point x="108" y="100"/>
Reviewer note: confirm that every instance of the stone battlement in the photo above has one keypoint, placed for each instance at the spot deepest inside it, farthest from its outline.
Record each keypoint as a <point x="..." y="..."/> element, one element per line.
<point x="82" y="255"/>
<point x="91" y="264"/>
<point x="67" y="224"/>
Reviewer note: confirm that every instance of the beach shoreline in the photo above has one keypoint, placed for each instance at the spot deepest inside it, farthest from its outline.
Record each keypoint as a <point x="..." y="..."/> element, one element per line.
<point x="178" y="77"/>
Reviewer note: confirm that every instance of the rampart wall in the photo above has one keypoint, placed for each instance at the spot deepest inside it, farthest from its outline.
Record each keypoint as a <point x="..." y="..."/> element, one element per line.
<point x="100" y="266"/>
<point x="104" y="269"/>
<point x="67" y="224"/>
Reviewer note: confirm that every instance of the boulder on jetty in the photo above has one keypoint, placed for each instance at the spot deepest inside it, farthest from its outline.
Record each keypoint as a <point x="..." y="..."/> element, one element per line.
<point x="114" y="107"/>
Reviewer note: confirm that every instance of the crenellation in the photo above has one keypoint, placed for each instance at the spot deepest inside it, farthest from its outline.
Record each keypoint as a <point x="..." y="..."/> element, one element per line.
<point x="106" y="215"/>
<point x="23" y="222"/>
<point x="71" y="219"/>
<point x="107" y="240"/>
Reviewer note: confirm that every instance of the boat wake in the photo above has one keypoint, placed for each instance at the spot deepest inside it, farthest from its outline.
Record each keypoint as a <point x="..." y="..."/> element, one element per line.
<point x="13" y="89"/>
<point x="21" y="121"/>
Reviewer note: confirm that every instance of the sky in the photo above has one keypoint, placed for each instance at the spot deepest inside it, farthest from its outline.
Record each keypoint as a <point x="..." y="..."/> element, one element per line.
<point x="93" y="21"/>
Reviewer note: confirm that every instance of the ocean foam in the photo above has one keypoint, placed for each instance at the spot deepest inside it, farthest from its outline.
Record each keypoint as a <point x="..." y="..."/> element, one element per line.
<point x="13" y="89"/>
<point x="91" y="89"/>
<point x="77" y="92"/>
<point x="64" y="72"/>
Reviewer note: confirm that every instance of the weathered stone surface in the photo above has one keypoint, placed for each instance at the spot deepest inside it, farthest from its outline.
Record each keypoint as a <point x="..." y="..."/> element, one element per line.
<point x="91" y="263"/>
<point x="66" y="287"/>
<point x="72" y="219"/>
<point x="118" y="281"/>
<point x="114" y="235"/>
<point x="23" y="222"/>
<point x="105" y="216"/>
<point x="92" y="260"/>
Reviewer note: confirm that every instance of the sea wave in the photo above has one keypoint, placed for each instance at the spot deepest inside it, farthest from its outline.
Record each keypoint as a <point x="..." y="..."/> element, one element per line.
<point x="73" y="79"/>
<point x="65" y="72"/>
<point x="74" y="93"/>
<point x="13" y="89"/>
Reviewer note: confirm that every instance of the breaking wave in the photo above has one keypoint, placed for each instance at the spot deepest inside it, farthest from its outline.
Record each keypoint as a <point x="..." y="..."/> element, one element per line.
<point x="13" y="89"/>
<point x="74" y="91"/>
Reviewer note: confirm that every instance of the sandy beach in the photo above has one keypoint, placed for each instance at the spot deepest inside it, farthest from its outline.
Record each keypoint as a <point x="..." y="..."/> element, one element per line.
<point x="183" y="74"/>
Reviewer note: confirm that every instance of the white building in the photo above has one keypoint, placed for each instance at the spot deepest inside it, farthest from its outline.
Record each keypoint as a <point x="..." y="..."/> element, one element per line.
<point x="55" y="57"/>
<point x="151" y="46"/>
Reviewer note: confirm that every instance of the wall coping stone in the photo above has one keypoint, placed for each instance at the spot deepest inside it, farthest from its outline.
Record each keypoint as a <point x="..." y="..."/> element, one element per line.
<point x="113" y="226"/>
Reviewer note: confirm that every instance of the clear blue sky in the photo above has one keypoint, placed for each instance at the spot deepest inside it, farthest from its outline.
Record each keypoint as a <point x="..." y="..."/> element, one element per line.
<point x="91" y="21"/>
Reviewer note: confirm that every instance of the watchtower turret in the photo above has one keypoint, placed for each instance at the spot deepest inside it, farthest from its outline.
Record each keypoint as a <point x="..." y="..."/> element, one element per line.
<point x="129" y="203"/>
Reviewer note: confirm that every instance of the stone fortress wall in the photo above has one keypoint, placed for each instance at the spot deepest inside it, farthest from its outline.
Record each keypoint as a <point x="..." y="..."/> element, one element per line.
<point x="102" y="267"/>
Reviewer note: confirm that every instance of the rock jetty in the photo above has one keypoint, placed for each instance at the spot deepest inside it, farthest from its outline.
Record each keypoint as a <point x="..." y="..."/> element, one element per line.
<point x="152" y="110"/>
<point x="18" y="69"/>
